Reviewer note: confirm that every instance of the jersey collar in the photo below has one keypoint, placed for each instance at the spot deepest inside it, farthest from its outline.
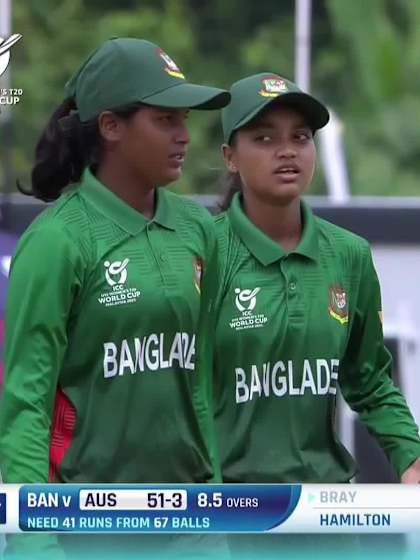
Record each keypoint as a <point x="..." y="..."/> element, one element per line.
<point x="261" y="246"/>
<point x="121" y="213"/>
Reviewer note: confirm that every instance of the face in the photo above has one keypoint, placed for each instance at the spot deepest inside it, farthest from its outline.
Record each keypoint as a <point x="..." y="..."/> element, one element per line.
<point x="152" y="143"/>
<point x="274" y="156"/>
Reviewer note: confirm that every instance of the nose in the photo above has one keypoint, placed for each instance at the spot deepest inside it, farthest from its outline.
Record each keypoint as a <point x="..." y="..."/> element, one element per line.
<point x="286" y="150"/>
<point x="183" y="136"/>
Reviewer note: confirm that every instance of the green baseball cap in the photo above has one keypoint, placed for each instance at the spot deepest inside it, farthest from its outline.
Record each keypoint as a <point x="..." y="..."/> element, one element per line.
<point x="252" y="94"/>
<point x="129" y="70"/>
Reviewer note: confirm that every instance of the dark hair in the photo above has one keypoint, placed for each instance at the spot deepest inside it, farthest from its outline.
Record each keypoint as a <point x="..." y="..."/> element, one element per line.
<point x="65" y="148"/>
<point x="231" y="183"/>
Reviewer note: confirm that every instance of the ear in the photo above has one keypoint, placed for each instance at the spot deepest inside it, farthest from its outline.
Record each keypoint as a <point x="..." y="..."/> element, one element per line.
<point x="228" y="156"/>
<point x="110" y="126"/>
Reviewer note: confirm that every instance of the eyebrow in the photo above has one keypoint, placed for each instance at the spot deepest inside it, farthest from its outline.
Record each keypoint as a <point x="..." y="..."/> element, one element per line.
<point x="269" y="126"/>
<point x="261" y="124"/>
<point x="159" y="109"/>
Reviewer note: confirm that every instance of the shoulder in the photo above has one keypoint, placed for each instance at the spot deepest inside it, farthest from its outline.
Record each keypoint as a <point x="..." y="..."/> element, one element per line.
<point x="233" y="255"/>
<point x="57" y="230"/>
<point x="63" y="215"/>
<point x="224" y="232"/>
<point x="194" y="222"/>
<point x="190" y="210"/>
<point x="342" y="242"/>
<point x="221" y="221"/>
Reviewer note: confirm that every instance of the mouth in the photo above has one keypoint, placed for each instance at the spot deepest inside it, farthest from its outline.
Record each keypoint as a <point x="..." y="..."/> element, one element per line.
<point x="288" y="172"/>
<point x="178" y="156"/>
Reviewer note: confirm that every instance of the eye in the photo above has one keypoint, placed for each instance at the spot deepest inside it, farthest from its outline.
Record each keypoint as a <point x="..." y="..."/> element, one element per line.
<point x="263" y="138"/>
<point x="173" y="118"/>
<point x="303" y="135"/>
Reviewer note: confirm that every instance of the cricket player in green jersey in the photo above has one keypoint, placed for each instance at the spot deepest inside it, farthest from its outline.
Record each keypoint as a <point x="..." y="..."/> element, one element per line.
<point x="300" y="308"/>
<point x="104" y="380"/>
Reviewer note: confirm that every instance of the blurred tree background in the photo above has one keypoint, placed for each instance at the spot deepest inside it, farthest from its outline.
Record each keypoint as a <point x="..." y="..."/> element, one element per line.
<point x="365" y="65"/>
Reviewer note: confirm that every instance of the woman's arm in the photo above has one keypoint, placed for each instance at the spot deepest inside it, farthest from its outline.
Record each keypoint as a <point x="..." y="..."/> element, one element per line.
<point x="43" y="283"/>
<point x="366" y="377"/>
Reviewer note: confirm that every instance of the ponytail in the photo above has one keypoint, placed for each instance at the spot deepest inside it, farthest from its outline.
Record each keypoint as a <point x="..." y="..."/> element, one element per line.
<point x="63" y="151"/>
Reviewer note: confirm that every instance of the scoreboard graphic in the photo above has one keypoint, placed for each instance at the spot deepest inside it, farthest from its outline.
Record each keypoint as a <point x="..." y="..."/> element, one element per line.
<point x="227" y="508"/>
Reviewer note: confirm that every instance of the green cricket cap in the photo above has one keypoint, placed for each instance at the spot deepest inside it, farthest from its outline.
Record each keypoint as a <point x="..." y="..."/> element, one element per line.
<point x="252" y="94"/>
<point x="127" y="70"/>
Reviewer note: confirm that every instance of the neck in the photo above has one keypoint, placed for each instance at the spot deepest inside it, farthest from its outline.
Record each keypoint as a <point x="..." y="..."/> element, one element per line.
<point x="123" y="183"/>
<point x="283" y="224"/>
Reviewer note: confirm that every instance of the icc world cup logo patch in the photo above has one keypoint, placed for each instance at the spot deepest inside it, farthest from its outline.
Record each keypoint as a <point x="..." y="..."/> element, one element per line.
<point x="246" y="299"/>
<point x="338" y="304"/>
<point x="116" y="272"/>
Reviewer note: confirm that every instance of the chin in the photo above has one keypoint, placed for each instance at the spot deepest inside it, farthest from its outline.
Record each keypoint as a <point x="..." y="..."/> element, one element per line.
<point x="285" y="195"/>
<point x="170" y="177"/>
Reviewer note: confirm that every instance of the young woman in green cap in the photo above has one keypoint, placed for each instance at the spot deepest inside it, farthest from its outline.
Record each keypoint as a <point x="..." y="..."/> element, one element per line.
<point x="299" y="311"/>
<point x="104" y="378"/>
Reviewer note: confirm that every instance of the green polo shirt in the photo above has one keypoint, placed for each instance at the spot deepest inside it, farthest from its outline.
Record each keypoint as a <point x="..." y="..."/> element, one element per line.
<point x="292" y="329"/>
<point x="104" y="381"/>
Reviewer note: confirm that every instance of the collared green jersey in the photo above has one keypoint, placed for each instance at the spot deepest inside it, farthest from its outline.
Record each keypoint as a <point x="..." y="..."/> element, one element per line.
<point x="103" y="376"/>
<point x="292" y="329"/>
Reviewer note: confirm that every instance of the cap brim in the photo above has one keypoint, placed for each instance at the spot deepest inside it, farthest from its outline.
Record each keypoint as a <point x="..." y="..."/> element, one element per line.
<point x="192" y="96"/>
<point x="315" y="113"/>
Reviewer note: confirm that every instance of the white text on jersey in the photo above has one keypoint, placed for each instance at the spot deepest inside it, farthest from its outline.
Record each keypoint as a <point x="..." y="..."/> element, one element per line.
<point x="148" y="354"/>
<point x="284" y="378"/>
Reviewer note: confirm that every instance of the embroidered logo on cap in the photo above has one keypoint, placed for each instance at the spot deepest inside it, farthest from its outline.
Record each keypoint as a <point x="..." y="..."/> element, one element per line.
<point x="338" y="304"/>
<point x="273" y="87"/>
<point x="171" y="67"/>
